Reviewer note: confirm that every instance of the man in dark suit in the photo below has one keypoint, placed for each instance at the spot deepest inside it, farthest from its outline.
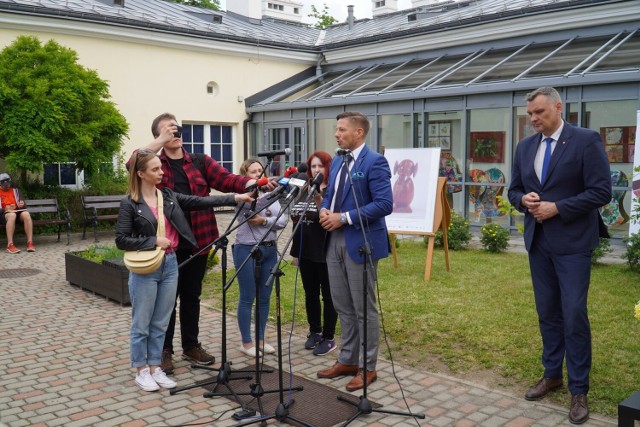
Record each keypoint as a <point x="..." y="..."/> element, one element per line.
<point x="339" y="214"/>
<point x="560" y="178"/>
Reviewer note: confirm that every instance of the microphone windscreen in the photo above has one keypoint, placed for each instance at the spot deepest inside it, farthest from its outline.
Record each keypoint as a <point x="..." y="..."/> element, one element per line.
<point x="317" y="180"/>
<point x="303" y="168"/>
<point x="262" y="181"/>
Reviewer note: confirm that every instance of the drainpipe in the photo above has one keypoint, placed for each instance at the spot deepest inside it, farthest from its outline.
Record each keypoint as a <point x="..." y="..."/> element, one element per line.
<point x="350" y="18"/>
<point x="245" y="131"/>
<point x="319" y="68"/>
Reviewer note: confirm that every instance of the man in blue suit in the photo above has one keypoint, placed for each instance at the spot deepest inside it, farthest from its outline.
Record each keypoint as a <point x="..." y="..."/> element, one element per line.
<point x="371" y="179"/>
<point x="559" y="180"/>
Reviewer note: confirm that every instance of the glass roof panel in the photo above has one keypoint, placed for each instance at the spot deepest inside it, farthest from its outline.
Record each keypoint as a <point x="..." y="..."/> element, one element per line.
<point x="520" y="62"/>
<point x="625" y="57"/>
<point x="476" y="67"/>
<point x="573" y="54"/>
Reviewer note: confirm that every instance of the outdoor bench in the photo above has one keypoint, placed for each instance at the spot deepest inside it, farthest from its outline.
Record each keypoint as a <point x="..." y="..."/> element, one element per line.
<point x="99" y="208"/>
<point x="48" y="212"/>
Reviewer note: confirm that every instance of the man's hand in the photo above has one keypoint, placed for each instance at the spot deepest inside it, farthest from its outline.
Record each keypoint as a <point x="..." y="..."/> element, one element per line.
<point x="530" y="200"/>
<point x="329" y="220"/>
<point x="166" y="134"/>
<point x="9" y="208"/>
<point x="543" y="211"/>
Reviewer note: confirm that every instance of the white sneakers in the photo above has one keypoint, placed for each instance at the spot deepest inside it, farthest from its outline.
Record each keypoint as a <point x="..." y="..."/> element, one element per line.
<point x="162" y="380"/>
<point x="269" y="348"/>
<point x="152" y="382"/>
<point x="251" y="351"/>
<point x="145" y="381"/>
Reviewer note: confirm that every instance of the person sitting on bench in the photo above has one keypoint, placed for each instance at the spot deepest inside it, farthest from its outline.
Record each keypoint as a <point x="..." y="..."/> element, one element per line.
<point x="13" y="207"/>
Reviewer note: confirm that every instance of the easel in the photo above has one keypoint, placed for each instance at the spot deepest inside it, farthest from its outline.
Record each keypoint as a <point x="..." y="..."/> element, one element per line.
<point x="441" y="220"/>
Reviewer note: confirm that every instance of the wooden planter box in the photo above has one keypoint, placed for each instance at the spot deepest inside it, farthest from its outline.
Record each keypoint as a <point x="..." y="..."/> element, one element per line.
<point x="109" y="279"/>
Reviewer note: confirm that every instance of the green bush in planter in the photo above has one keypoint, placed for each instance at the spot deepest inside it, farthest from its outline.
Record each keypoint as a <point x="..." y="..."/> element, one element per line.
<point x="458" y="233"/>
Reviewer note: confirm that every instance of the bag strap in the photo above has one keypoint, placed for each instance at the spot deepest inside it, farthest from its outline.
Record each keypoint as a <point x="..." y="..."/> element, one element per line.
<point x="161" y="231"/>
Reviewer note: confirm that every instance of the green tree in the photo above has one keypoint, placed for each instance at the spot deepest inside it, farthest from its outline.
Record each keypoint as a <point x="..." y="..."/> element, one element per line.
<point x="205" y="4"/>
<point x="323" y="18"/>
<point x="54" y="110"/>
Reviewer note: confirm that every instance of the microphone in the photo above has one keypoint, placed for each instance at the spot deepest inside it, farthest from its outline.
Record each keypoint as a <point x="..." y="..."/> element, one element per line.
<point x="284" y="184"/>
<point x="342" y="152"/>
<point x="303" y="168"/>
<point x="290" y="171"/>
<point x="297" y="185"/>
<point x="315" y="184"/>
<point x="274" y="153"/>
<point x="259" y="183"/>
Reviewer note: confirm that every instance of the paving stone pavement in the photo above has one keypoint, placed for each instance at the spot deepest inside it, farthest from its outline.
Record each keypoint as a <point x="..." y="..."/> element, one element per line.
<point x="65" y="362"/>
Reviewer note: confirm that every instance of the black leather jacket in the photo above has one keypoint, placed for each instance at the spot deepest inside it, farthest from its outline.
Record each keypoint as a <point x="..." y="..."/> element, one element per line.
<point x="136" y="227"/>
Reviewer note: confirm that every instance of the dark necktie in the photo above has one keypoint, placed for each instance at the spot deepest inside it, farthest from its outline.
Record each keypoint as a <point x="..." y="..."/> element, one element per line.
<point x="546" y="160"/>
<point x="341" y="182"/>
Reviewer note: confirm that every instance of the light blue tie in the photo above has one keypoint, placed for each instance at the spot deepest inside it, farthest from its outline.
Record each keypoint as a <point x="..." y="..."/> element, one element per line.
<point x="546" y="161"/>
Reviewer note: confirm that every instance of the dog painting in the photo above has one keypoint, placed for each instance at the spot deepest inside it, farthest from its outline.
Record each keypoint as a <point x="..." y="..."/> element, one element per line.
<point x="403" y="189"/>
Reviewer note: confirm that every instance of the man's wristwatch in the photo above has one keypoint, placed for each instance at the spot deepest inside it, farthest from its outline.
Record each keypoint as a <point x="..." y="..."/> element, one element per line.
<point x="343" y="218"/>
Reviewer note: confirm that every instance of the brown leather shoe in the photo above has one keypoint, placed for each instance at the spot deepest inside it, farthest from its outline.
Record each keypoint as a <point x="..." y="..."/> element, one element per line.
<point x="579" y="412"/>
<point x="338" y="370"/>
<point x="544" y="386"/>
<point x="357" y="382"/>
<point x="167" y="363"/>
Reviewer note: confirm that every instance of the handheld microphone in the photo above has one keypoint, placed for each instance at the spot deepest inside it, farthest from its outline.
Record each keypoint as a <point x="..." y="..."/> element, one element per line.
<point x="258" y="184"/>
<point x="284" y="184"/>
<point x="274" y="153"/>
<point x="296" y="184"/>
<point x="290" y="171"/>
<point x="342" y="152"/>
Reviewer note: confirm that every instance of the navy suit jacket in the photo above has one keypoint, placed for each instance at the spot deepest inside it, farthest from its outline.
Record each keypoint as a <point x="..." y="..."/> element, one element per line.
<point x="371" y="178"/>
<point x="579" y="183"/>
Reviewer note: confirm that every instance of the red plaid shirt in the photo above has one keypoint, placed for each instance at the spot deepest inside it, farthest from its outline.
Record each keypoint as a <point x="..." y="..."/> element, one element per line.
<point x="203" y="222"/>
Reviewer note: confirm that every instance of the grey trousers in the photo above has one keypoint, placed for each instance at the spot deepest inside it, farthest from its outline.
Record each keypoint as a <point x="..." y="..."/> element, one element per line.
<point x="345" y="280"/>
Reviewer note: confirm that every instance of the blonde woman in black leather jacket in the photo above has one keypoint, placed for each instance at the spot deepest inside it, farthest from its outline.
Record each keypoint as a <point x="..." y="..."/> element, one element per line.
<point x="153" y="295"/>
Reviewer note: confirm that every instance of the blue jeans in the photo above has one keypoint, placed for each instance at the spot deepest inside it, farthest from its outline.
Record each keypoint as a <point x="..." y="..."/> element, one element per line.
<point x="247" y="287"/>
<point x="152" y="298"/>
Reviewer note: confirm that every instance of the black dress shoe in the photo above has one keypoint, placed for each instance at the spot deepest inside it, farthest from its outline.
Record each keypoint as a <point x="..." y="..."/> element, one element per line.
<point x="544" y="386"/>
<point x="579" y="412"/>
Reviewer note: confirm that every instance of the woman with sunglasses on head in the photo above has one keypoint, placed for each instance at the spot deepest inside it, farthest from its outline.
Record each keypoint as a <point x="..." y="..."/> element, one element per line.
<point x="153" y="294"/>
<point x="248" y="235"/>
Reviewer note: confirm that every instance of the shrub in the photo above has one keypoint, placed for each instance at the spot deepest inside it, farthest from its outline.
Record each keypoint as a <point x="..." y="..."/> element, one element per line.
<point x="604" y="248"/>
<point x="98" y="253"/>
<point x="494" y="237"/>
<point x="632" y="254"/>
<point x="458" y="233"/>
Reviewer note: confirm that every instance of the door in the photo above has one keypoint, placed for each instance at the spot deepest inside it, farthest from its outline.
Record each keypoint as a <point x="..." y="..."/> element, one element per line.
<point x="287" y="135"/>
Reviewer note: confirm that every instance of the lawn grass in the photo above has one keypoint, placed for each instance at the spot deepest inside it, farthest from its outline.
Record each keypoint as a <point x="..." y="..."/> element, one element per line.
<point x="481" y="316"/>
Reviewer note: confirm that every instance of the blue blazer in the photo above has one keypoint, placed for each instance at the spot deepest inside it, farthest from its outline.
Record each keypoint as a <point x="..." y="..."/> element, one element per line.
<point x="371" y="178"/>
<point x="578" y="181"/>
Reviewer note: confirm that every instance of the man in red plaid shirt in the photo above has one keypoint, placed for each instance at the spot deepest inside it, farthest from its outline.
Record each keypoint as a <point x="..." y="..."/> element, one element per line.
<point x="183" y="175"/>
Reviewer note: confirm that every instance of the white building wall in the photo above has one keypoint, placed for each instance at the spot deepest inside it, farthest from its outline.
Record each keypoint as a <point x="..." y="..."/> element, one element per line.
<point x="147" y="78"/>
<point x="283" y="9"/>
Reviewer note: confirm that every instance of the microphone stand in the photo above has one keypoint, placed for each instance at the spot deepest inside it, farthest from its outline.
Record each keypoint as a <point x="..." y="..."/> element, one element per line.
<point x="256" y="388"/>
<point x="225" y="371"/>
<point x="364" y="405"/>
<point x="282" y="410"/>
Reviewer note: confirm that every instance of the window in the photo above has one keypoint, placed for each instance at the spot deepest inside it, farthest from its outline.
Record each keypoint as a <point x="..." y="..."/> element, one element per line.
<point x="222" y="145"/>
<point x="296" y="10"/>
<point x="63" y="174"/>
<point x="380" y="3"/>
<point x="196" y="138"/>
<point x="193" y="138"/>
